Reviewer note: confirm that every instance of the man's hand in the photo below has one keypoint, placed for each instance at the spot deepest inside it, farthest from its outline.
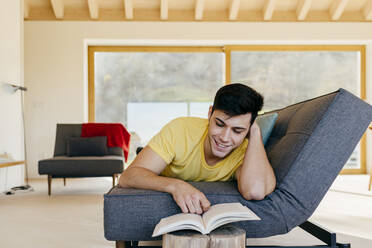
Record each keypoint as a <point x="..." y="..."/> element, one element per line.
<point x="254" y="131"/>
<point x="189" y="199"/>
<point x="144" y="172"/>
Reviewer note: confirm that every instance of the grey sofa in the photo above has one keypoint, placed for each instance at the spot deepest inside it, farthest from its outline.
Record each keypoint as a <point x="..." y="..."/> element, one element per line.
<point x="310" y="143"/>
<point x="63" y="166"/>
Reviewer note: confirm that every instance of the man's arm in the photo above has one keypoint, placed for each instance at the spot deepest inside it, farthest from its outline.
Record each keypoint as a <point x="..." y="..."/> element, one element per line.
<point x="144" y="173"/>
<point x="255" y="176"/>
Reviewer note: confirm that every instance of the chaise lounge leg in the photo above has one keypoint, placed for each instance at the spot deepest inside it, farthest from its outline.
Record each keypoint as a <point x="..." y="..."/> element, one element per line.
<point x="113" y="180"/>
<point x="64" y="181"/>
<point x="119" y="244"/>
<point x="123" y="244"/>
<point x="49" y="184"/>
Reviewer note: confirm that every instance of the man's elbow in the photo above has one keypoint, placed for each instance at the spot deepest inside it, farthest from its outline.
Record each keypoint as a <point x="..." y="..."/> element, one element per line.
<point x="253" y="195"/>
<point x="121" y="182"/>
<point x="124" y="180"/>
<point x="254" y="192"/>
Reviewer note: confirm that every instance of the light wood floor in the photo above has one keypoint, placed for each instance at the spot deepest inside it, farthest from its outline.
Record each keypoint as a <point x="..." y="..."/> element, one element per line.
<point x="73" y="215"/>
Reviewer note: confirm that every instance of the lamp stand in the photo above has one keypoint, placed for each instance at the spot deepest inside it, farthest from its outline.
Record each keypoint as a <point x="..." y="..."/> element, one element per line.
<point x="27" y="186"/>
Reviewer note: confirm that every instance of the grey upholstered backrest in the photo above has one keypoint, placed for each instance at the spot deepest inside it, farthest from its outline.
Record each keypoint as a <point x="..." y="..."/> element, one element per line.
<point x="65" y="131"/>
<point x="310" y="144"/>
<point x="295" y="124"/>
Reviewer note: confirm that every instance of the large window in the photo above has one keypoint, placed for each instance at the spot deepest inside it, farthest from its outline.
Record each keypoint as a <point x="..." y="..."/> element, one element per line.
<point x="145" y="87"/>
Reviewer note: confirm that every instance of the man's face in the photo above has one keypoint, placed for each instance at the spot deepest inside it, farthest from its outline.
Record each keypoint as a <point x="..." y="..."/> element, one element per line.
<point x="226" y="132"/>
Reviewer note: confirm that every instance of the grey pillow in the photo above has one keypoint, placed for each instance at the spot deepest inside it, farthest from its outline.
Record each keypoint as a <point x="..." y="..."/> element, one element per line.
<point x="87" y="146"/>
<point x="266" y="123"/>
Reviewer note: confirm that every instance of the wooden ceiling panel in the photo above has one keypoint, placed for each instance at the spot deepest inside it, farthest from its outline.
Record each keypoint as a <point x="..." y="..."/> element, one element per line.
<point x="181" y="4"/>
<point x="111" y="4"/>
<point x="286" y="5"/>
<point x="75" y="4"/>
<point x="146" y="4"/>
<point x="200" y="10"/>
<point x="321" y="5"/>
<point x="216" y="5"/>
<point x="252" y="5"/>
<point x="355" y="5"/>
<point x="39" y="3"/>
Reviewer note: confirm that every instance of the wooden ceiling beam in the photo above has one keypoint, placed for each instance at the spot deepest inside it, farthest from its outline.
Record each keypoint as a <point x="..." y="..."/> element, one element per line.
<point x="164" y="9"/>
<point x="128" y="7"/>
<point x="58" y="8"/>
<point x="337" y="9"/>
<point x="26" y="9"/>
<point x="234" y="9"/>
<point x="303" y="9"/>
<point x="199" y="8"/>
<point x="269" y="9"/>
<point x="368" y="10"/>
<point x="93" y="9"/>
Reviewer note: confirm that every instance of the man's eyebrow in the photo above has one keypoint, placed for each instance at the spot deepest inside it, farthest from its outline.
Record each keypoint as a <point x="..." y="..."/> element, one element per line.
<point x="220" y="120"/>
<point x="240" y="128"/>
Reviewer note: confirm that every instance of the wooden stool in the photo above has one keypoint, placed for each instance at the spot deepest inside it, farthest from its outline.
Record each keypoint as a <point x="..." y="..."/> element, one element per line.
<point x="224" y="236"/>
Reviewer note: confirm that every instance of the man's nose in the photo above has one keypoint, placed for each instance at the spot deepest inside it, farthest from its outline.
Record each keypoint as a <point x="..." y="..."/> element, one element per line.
<point x="225" y="135"/>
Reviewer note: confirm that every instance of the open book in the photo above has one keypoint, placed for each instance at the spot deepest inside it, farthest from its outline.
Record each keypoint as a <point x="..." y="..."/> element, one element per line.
<point x="217" y="215"/>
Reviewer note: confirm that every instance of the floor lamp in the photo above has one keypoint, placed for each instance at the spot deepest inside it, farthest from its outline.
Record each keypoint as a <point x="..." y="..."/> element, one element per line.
<point x="14" y="88"/>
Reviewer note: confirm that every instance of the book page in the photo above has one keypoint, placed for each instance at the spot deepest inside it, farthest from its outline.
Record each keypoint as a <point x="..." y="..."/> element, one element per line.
<point x="224" y="213"/>
<point x="179" y="222"/>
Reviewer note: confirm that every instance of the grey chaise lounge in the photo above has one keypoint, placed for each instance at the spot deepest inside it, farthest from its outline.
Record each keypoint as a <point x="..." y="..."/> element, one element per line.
<point x="309" y="145"/>
<point x="63" y="166"/>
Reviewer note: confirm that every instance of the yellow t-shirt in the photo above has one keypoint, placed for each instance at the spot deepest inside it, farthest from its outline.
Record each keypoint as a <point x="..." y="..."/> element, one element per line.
<point x="181" y="144"/>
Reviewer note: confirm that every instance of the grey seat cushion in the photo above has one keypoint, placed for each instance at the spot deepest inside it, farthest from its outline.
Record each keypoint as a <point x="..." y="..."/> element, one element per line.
<point x="91" y="146"/>
<point x="310" y="143"/>
<point x="131" y="214"/>
<point x="87" y="166"/>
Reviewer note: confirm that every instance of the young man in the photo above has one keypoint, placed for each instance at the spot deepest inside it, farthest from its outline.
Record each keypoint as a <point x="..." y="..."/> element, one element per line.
<point x="213" y="149"/>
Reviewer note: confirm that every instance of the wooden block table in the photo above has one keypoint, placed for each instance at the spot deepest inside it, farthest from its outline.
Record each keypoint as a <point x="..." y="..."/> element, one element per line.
<point x="224" y="236"/>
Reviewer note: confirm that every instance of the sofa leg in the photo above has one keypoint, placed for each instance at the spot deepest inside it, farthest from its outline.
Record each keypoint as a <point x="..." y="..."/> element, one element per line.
<point x="113" y="180"/>
<point x="49" y="184"/>
<point x="64" y="181"/>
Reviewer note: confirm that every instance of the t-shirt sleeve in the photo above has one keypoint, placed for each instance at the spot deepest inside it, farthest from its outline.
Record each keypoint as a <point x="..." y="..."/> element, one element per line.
<point x="163" y="143"/>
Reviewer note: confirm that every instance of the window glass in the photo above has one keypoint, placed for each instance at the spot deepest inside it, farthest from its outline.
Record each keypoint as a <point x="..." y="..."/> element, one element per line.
<point x="145" y="90"/>
<point x="285" y="78"/>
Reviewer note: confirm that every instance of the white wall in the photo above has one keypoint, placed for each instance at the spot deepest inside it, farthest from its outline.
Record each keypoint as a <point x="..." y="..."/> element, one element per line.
<point x="11" y="70"/>
<point x="55" y="60"/>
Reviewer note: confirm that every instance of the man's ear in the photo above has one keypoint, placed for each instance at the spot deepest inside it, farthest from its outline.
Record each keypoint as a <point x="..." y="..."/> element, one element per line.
<point x="210" y="112"/>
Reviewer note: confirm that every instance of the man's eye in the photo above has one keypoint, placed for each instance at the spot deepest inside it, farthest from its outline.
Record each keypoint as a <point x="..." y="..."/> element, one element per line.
<point x="219" y="124"/>
<point x="237" y="132"/>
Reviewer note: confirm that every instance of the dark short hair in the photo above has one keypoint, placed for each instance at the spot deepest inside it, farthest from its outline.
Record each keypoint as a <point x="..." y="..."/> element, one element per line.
<point x="238" y="99"/>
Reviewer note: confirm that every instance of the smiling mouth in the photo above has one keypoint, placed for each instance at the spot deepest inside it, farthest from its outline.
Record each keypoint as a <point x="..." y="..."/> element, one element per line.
<point x="220" y="145"/>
